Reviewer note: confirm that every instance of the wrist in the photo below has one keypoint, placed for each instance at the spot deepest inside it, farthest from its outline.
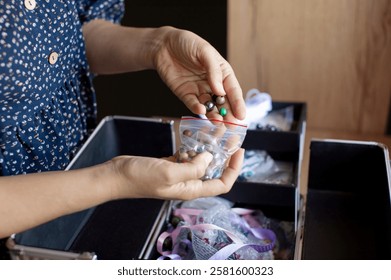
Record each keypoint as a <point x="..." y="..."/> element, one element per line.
<point x="161" y="37"/>
<point x="119" y="177"/>
<point x="109" y="180"/>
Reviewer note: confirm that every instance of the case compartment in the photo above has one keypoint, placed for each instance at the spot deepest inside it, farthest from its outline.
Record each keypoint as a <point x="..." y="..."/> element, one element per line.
<point x="348" y="212"/>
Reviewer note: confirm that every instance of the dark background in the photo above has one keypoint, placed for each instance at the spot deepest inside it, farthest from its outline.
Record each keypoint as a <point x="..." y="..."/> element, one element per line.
<point x="143" y="93"/>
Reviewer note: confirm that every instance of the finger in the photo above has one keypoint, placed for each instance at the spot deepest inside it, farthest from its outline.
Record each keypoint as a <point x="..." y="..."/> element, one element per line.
<point x="191" y="101"/>
<point x="206" y="100"/>
<point x="214" y="114"/>
<point x="192" y="189"/>
<point x="212" y="60"/>
<point x="235" y="96"/>
<point x="229" y="86"/>
<point x="191" y="170"/>
<point x="216" y="186"/>
<point x="232" y="142"/>
<point x="197" y="103"/>
<point x="196" y="188"/>
<point x="172" y="158"/>
<point x="217" y="114"/>
<point x="205" y="97"/>
<point x="233" y="169"/>
<point x="219" y="129"/>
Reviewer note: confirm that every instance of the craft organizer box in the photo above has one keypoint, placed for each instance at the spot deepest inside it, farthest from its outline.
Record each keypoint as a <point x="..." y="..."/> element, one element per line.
<point x="346" y="214"/>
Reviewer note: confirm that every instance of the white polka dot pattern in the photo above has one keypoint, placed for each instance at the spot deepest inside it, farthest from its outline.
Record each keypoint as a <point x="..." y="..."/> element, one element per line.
<point x="47" y="102"/>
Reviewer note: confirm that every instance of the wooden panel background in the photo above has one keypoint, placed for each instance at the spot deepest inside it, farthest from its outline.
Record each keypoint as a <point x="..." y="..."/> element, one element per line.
<point x="333" y="54"/>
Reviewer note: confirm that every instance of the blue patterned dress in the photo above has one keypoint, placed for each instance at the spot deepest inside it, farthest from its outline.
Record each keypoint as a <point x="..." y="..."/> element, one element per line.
<point x="47" y="101"/>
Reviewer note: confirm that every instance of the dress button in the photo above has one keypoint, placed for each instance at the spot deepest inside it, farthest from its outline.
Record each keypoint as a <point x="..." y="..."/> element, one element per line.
<point x="53" y="57"/>
<point x="30" y="4"/>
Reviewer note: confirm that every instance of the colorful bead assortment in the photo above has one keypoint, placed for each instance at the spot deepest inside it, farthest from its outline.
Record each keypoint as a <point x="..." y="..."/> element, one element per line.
<point x="217" y="100"/>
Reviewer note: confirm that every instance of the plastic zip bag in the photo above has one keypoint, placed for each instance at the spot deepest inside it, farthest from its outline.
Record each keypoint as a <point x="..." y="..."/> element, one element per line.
<point x="220" y="138"/>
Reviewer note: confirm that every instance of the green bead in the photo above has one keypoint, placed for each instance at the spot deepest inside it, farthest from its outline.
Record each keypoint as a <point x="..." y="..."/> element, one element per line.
<point x="223" y="111"/>
<point x="175" y="221"/>
<point x="167" y="244"/>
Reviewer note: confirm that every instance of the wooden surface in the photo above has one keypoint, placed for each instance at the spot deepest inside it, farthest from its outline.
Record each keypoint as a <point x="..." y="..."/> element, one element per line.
<point x="333" y="54"/>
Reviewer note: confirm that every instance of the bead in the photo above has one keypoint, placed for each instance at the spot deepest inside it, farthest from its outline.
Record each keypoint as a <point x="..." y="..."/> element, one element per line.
<point x="199" y="149"/>
<point x="223" y="111"/>
<point x="220" y="100"/>
<point x="167" y="244"/>
<point x="182" y="149"/>
<point x="183" y="156"/>
<point x="209" y="105"/>
<point x="267" y="127"/>
<point x="191" y="153"/>
<point x="187" y="133"/>
<point x="217" y="173"/>
<point x="209" y="148"/>
<point x="175" y="221"/>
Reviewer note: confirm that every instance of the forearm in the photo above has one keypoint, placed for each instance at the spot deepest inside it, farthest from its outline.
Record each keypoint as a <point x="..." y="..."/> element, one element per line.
<point x="29" y="200"/>
<point x="114" y="49"/>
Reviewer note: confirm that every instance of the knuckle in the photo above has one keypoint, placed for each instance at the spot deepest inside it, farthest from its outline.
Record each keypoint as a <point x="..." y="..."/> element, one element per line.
<point x="168" y="176"/>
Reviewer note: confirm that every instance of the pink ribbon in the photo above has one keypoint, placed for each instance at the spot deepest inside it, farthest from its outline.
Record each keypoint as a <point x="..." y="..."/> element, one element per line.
<point x="189" y="216"/>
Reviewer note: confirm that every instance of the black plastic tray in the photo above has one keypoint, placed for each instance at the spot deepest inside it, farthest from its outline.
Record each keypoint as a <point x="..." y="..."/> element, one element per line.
<point x="281" y="144"/>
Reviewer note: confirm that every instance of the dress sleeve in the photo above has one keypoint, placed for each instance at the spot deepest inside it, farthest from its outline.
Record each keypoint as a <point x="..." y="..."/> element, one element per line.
<point x="110" y="10"/>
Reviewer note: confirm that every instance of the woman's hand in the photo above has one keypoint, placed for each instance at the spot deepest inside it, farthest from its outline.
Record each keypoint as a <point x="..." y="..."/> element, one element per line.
<point x="188" y="64"/>
<point x="143" y="177"/>
<point x="194" y="70"/>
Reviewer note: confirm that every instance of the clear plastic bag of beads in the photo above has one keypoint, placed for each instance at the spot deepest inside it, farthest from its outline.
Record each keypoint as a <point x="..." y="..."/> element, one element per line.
<point x="220" y="138"/>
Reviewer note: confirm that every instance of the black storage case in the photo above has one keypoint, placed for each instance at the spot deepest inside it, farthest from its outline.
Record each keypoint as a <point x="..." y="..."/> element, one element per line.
<point x="128" y="229"/>
<point x="276" y="200"/>
<point x="348" y="210"/>
<point x="281" y="144"/>
<point x="284" y="146"/>
<point x="118" y="229"/>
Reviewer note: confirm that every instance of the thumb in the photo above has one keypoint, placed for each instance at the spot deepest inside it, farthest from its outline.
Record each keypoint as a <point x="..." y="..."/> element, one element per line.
<point x="195" y="168"/>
